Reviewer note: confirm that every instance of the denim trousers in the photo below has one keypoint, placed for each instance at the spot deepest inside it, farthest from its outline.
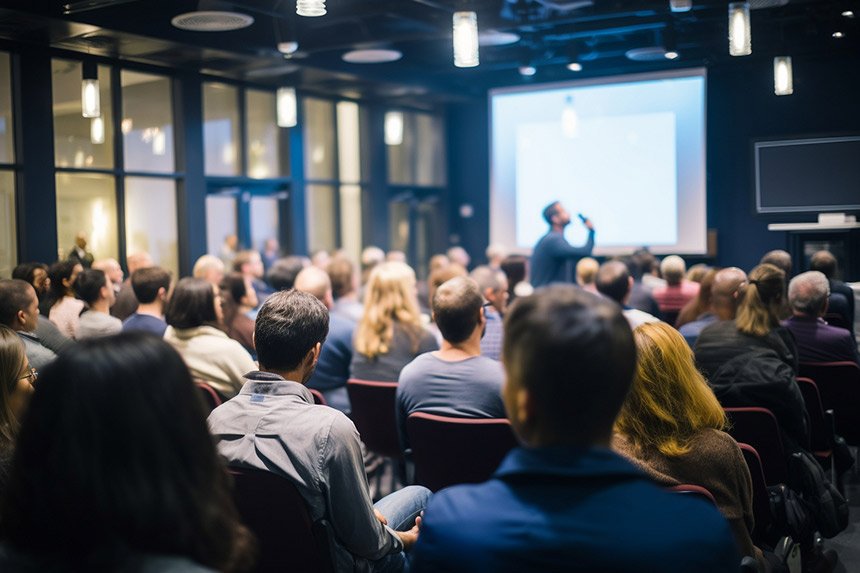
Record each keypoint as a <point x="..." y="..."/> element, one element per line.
<point x="400" y="509"/>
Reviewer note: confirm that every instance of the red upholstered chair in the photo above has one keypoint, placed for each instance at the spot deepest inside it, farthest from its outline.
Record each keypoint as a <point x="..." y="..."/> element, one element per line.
<point x="839" y="386"/>
<point x="820" y="424"/>
<point x="758" y="427"/>
<point x="374" y="415"/>
<point x="692" y="489"/>
<point x="448" y="451"/>
<point x="274" y="510"/>
<point x="319" y="399"/>
<point x="763" y="531"/>
<point x="208" y="395"/>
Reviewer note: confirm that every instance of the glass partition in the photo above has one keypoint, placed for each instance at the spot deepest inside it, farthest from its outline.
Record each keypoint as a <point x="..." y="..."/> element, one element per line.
<point x="221" y="219"/>
<point x="420" y="158"/>
<point x="265" y="221"/>
<point x="150" y="220"/>
<point x="263" y="153"/>
<point x="7" y="139"/>
<point x="320" y="210"/>
<point x="221" y="129"/>
<point x="147" y="122"/>
<point x="8" y="237"/>
<point x="319" y="139"/>
<point x="86" y="203"/>
<point x="80" y="142"/>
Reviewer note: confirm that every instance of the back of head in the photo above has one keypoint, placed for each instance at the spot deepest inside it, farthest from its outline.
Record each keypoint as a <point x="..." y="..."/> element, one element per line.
<point x="315" y="281"/>
<point x="59" y="271"/>
<point x="138" y="260"/>
<point x="457" y="307"/>
<point x="669" y="402"/>
<point x="341" y="273"/>
<point x="438" y="262"/>
<point x="697" y="272"/>
<point x="726" y="291"/>
<point x="808" y="293"/>
<point x="778" y="258"/>
<point x="389" y="299"/>
<point x="89" y="285"/>
<point x="573" y="352"/>
<point x="115" y="432"/>
<point x="825" y="263"/>
<point x="192" y="304"/>
<point x="515" y="268"/>
<point x="613" y="281"/>
<point x="206" y="265"/>
<point x="282" y="275"/>
<point x="673" y="268"/>
<point x="370" y="257"/>
<point x="13" y="363"/>
<point x="28" y="271"/>
<point x="146" y="283"/>
<point x="234" y="287"/>
<point x="459" y="256"/>
<point x="758" y="312"/>
<point x="15" y="295"/>
<point x="645" y="261"/>
<point x="487" y="278"/>
<point x="586" y="271"/>
<point x="289" y="324"/>
<point x="245" y="258"/>
<point x="496" y="252"/>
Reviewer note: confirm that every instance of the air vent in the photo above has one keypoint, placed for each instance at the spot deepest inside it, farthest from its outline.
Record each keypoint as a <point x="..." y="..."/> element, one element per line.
<point x="649" y="54"/>
<point x="212" y="21"/>
<point x="762" y="4"/>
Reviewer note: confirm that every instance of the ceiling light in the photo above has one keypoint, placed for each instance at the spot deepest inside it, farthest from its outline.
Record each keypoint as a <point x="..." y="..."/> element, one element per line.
<point x="783" y="77"/>
<point x="211" y="21"/>
<point x="288" y="48"/>
<point x="310" y="8"/>
<point x="97" y="130"/>
<point x="527" y="71"/>
<point x="838" y="35"/>
<point x="671" y="55"/>
<point x="848" y="14"/>
<point x="740" y="38"/>
<point x="393" y="127"/>
<point x="465" y="39"/>
<point x="497" y="38"/>
<point x="90" y="101"/>
<point x="371" y="56"/>
<point x="681" y="5"/>
<point x="286" y="107"/>
<point x="574" y="67"/>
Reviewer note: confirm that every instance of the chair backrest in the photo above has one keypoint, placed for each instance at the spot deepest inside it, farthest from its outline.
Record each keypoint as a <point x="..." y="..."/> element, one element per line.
<point x="839" y="386"/>
<point x="448" y="451"/>
<point x="758" y="427"/>
<point x="696" y="490"/>
<point x="373" y="412"/>
<point x="836" y="319"/>
<point x="210" y="397"/>
<point x="760" y="497"/>
<point x="272" y="507"/>
<point x="820" y="433"/>
<point x="319" y="399"/>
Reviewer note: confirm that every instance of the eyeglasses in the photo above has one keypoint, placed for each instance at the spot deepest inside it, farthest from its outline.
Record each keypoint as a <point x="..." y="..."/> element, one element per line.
<point x="31" y="376"/>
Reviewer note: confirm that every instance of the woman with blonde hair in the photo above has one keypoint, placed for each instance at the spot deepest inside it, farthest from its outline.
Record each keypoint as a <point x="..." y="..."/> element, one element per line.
<point x="390" y="334"/>
<point x="16" y="385"/>
<point x="671" y="426"/>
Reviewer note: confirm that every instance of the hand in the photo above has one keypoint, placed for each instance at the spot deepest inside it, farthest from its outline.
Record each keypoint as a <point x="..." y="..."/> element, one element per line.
<point x="408" y="538"/>
<point x="588" y="224"/>
<point x="380" y="517"/>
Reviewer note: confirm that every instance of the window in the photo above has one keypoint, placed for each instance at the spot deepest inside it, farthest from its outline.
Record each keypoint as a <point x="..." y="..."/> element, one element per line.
<point x="147" y="122"/>
<point x="420" y="158"/>
<point x="263" y="152"/>
<point x="221" y="129"/>
<point x="80" y="142"/>
<point x="319" y="139"/>
<point x="321" y="209"/>
<point x="8" y="242"/>
<point x="86" y="203"/>
<point x="150" y="220"/>
<point x="7" y="139"/>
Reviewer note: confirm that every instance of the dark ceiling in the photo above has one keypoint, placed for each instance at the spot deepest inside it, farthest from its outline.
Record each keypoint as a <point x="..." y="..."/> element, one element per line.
<point x="552" y="33"/>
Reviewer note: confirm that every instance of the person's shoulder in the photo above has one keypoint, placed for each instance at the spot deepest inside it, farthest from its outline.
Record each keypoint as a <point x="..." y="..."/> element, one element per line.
<point x="489" y="367"/>
<point x="418" y="367"/>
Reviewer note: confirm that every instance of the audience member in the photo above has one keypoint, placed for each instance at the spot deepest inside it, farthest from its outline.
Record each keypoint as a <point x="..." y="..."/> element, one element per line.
<point x="650" y="269"/>
<point x="697" y="272"/>
<point x="151" y="286"/>
<point x="271" y="252"/>
<point x="126" y="301"/>
<point x="370" y="257"/>
<point x="438" y="262"/>
<point x="194" y="314"/>
<point x="671" y="425"/>
<point x="320" y="259"/>
<point x="49" y="335"/>
<point x="19" y="310"/>
<point x="553" y="257"/>
<point x="780" y="259"/>
<point x="79" y="253"/>
<point x="455" y="380"/>
<point x="436" y="279"/>
<point x="496" y="253"/>
<point x="841" y="300"/>
<point x="344" y="286"/>
<point x="332" y="369"/>
<point x="458" y="256"/>
<point x="700" y="305"/>
<point x="250" y="265"/>
<point x="640" y="296"/>
<point x="114" y="469"/>
<point x="564" y="501"/>
<point x="282" y="275"/>
<point x="209" y="268"/>
<point x="64" y="308"/>
<point x="238" y="300"/>
<point x="229" y="248"/>
<point x="112" y="271"/>
<point x="677" y="292"/>
<point x="725" y="297"/>
<point x="494" y="289"/>
<point x="94" y="288"/>
<point x="816" y="340"/>
<point x="17" y="376"/>
<point x="586" y="273"/>
<point x="390" y="334"/>
<point x="273" y="425"/>
<point x="613" y="281"/>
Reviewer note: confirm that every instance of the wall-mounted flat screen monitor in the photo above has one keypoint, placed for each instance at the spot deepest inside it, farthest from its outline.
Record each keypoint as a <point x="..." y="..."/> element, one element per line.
<point x="808" y="175"/>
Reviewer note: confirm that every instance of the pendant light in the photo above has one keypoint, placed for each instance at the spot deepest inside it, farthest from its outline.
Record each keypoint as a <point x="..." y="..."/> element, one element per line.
<point x="90" y="104"/>
<point x="740" y="38"/>
<point x="465" y="39"/>
<point x="287" y="108"/>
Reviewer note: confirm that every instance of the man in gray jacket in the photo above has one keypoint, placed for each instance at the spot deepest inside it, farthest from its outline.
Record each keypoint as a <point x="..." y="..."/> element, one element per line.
<point x="19" y="310"/>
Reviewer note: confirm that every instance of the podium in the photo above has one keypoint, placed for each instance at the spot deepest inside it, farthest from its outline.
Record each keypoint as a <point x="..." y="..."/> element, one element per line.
<point x="841" y="239"/>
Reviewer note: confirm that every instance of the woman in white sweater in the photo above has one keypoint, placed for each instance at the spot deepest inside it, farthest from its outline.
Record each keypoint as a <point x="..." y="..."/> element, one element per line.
<point x="193" y="316"/>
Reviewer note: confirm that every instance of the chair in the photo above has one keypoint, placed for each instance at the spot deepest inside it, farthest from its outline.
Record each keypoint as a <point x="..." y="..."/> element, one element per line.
<point x="820" y="424"/>
<point x="839" y="386"/>
<point x="373" y="412"/>
<point x="758" y="427"/>
<point x="763" y="532"/>
<point x="695" y="490"/>
<point x="319" y="399"/>
<point x="448" y="451"/>
<point x="836" y="319"/>
<point x="208" y="395"/>
<point x="274" y="510"/>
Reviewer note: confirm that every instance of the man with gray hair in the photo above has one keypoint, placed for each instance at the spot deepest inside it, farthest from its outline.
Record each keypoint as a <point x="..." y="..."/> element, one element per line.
<point x="816" y="340"/>
<point x="494" y="288"/>
<point x="678" y="291"/>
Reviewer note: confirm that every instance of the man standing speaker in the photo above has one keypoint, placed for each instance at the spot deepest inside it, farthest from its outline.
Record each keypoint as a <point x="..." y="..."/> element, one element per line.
<point x="553" y="257"/>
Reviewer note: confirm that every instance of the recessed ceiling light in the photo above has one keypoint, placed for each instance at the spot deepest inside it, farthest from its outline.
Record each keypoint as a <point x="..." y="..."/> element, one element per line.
<point x="671" y="55"/>
<point x="288" y="48"/>
<point x="496" y="38"/>
<point x="574" y="67"/>
<point x="848" y="14"/>
<point x="838" y="35"/>
<point x="646" y="54"/>
<point x="211" y="21"/>
<point x="527" y="70"/>
<point x="371" y="56"/>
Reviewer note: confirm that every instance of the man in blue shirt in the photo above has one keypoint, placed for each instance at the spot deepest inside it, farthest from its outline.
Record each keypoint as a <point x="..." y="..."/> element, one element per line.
<point x="553" y="257"/>
<point x="564" y="501"/>
<point x="150" y="286"/>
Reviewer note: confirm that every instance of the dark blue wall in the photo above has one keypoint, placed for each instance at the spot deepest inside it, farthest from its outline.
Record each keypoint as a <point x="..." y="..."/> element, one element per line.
<point x="741" y="107"/>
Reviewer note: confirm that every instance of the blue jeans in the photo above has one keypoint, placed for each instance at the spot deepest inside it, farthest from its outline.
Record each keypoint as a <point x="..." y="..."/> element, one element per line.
<point x="400" y="509"/>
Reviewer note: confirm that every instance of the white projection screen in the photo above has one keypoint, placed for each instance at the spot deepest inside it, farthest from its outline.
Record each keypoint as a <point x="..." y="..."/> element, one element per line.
<point x="628" y="152"/>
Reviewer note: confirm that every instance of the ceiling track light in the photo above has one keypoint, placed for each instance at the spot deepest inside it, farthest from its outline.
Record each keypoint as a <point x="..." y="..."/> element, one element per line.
<point x="287" y="108"/>
<point x="90" y="102"/>
<point x="465" y="39"/>
<point x="680" y="5"/>
<point x="740" y="36"/>
<point x="574" y="67"/>
<point x="310" y="8"/>
<point x="527" y="70"/>
<point x="783" y="76"/>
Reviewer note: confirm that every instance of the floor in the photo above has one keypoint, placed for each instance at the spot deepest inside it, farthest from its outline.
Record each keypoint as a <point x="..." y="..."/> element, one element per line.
<point x="847" y="543"/>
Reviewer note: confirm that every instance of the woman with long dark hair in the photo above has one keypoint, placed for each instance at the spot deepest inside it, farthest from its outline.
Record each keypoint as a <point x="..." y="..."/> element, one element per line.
<point x="63" y="308"/>
<point x="239" y="299"/>
<point x="115" y="470"/>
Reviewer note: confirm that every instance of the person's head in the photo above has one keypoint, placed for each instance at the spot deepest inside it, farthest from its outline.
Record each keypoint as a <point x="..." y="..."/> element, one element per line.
<point x="62" y="275"/>
<point x="240" y="289"/>
<point x="370" y="257"/>
<point x="271" y="245"/>
<point x="569" y="358"/>
<point x="249" y="263"/>
<point x="19" y="305"/>
<point x="443" y="275"/>
<point x="231" y="242"/>
<point x="825" y="263"/>
<point x="458" y="310"/>
<point x="646" y="262"/>
<point x="459" y="256"/>
<point x="586" y="271"/>
<point x="727" y="292"/>
<point x="16" y="385"/>
<point x="315" y="281"/>
<point x="111" y="269"/>
<point x="697" y="272"/>
<point x="34" y="273"/>
<point x="209" y="268"/>
<point x="321" y="259"/>
<point x="496" y="253"/>
<point x="389" y="299"/>
<point x="669" y="402"/>
<point x="114" y="460"/>
<point x="81" y="240"/>
<point x="758" y="312"/>
<point x="395" y="256"/>
<point x="194" y="303"/>
<point x="341" y="273"/>
<point x="673" y="268"/>
<point x="613" y="281"/>
<point x="515" y="268"/>
<point x="808" y="293"/>
<point x="289" y="332"/>
<point x="151" y="284"/>
<point x="778" y="258"/>
<point x="438" y="262"/>
<point x="283" y="272"/>
<point x="93" y="286"/>
<point x="555" y="215"/>
<point x="137" y="261"/>
<point x="494" y="286"/>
